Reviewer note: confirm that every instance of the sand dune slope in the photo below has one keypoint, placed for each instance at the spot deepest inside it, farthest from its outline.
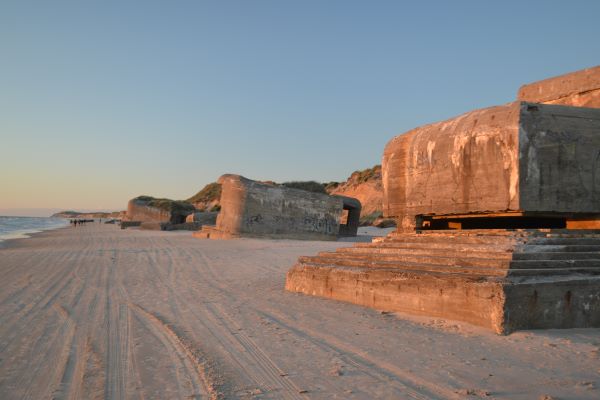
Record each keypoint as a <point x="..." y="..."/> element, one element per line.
<point x="100" y="313"/>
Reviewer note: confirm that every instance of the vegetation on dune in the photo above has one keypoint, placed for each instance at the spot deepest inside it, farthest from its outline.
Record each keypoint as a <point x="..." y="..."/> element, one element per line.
<point x="309" y="186"/>
<point x="165" y="204"/>
<point x="366" y="174"/>
<point x="330" y="186"/>
<point x="210" y="192"/>
<point x="356" y="178"/>
<point x="81" y="214"/>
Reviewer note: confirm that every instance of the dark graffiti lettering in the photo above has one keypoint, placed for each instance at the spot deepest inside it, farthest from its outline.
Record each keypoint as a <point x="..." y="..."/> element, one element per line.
<point x="254" y="220"/>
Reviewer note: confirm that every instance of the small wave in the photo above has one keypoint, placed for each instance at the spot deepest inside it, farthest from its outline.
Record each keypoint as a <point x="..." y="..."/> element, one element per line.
<point x="23" y="227"/>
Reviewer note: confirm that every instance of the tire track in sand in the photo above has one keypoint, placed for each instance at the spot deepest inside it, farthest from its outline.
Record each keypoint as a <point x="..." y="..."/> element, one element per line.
<point x="413" y="386"/>
<point x="117" y="337"/>
<point x="377" y="369"/>
<point x="255" y="363"/>
<point x="190" y="357"/>
<point x="268" y="371"/>
<point x="80" y="365"/>
<point x="57" y="349"/>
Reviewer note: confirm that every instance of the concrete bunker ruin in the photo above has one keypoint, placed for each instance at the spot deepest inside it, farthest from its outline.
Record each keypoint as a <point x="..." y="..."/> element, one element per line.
<point x="255" y="209"/>
<point x="150" y="213"/>
<point x="521" y="165"/>
<point x="150" y="209"/>
<point x="556" y="172"/>
<point x="496" y="211"/>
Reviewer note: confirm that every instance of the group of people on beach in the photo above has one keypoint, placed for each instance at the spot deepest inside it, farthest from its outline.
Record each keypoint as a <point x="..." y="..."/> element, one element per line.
<point x="76" y="222"/>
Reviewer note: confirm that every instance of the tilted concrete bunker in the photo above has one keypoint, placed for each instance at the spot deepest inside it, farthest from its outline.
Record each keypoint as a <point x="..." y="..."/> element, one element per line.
<point x="487" y="205"/>
<point x="255" y="209"/>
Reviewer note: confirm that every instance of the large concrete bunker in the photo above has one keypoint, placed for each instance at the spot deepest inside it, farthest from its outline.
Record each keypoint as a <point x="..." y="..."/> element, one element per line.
<point x="256" y="209"/>
<point x="523" y="164"/>
<point x="488" y="205"/>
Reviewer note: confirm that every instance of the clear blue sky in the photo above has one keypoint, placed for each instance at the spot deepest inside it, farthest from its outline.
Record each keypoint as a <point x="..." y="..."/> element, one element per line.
<point x="101" y="101"/>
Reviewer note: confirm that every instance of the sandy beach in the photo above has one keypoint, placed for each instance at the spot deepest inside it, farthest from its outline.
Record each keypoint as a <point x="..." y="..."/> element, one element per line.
<point x="95" y="312"/>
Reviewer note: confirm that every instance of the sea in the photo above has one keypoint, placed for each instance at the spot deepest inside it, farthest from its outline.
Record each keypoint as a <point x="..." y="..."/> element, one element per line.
<point x="22" y="227"/>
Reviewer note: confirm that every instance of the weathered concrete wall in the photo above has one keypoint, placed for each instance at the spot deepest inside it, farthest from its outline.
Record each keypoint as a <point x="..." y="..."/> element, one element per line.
<point x="551" y="303"/>
<point x="580" y="88"/>
<point x="524" y="157"/>
<point x="250" y="208"/>
<point x="139" y="209"/>
<point x="466" y="164"/>
<point x="559" y="159"/>
<point x="459" y="298"/>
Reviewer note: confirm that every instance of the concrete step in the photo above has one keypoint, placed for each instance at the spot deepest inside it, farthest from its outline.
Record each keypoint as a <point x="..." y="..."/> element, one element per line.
<point x="453" y="239"/>
<point x="572" y="234"/>
<point x="422" y="259"/>
<point x="558" y="248"/>
<point x="476" y="247"/>
<point x="554" y="271"/>
<point x="473" y="232"/>
<point x="433" y="252"/>
<point x="568" y="260"/>
<point x="437" y="261"/>
<point x="556" y="255"/>
<point x="564" y="241"/>
<point x="554" y="264"/>
<point x="405" y="273"/>
<point x="404" y="267"/>
<point x="424" y="268"/>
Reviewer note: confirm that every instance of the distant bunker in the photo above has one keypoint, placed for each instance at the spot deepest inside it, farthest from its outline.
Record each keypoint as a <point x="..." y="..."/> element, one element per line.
<point x="159" y="214"/>
<point x="255" y="209"/>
